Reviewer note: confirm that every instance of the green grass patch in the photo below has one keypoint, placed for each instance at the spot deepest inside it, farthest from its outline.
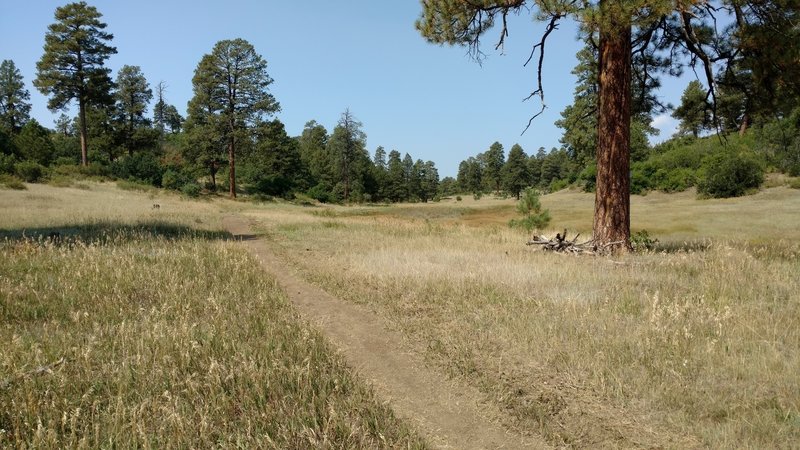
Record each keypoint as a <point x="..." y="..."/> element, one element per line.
<point x="151" y="336"/>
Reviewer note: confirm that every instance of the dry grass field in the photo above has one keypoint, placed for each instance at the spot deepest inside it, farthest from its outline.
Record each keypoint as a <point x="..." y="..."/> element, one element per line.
<point x="170" y="333"/>
<point x="148" y="328"/>
<point x="696" y="344"/>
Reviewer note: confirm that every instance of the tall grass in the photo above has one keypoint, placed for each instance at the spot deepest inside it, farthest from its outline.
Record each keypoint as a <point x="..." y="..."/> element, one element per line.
<point x="156" y="336"/>
<point x="694" y="345"/>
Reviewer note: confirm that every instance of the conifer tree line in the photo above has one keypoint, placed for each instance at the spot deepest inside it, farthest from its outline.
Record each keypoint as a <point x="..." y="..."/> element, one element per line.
<point x="230" y="141"/>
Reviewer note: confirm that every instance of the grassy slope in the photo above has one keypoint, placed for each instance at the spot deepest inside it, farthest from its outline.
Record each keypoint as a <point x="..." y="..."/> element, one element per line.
<point x="697" y="346"/>
<point x="170" y="335"/>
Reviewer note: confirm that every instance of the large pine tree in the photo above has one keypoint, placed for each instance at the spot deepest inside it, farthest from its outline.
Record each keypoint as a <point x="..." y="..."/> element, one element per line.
<point x="460" y="22"/>
<point x="73" y="64"/>
<point x="231" y="88"/>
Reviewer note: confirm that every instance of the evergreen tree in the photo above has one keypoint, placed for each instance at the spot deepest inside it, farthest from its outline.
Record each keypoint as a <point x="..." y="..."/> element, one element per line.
<point x="380" y="158"/>
<point x="579" y="120"/>
<point x="159" y="109"/>
<point x="494" y="159"/>
<point x="14" y="98"/>
<point x="313" y="147"/>
<point x="347" y="147"/>
<point x="515" y="172"/>
<point x="429" y="181"/>
<point x="34" y="144"/>
<point x="73" y="64"/>
<point x="133" y="95"/>
<point x="275" y="166"/>
<point x="395" y="178"/>
<point x="693" y="112"/>
<point x="173" y="119"/>
<point x="470" y="175"/>
<point x="661" y="24"/>
<point x="232" y="81"/>
<point x="64" y="125"/>
<point x="205" y="130"/>
<point x="380" y="172"/>
<point x="409" y="178"/>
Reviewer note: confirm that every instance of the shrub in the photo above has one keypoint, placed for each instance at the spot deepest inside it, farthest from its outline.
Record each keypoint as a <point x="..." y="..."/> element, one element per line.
<point x="458" y="198"/>
<point x="729" y="174"/>
<point x="176" y="179"/>
<point x="7" y="163"/>
<point x="12" y="182"/>
<point x="641" y="240"/>
<point x="320" y="193"/>
<point x="795" y="183"/>
<point x="477" y="195"/>
<point x="30" y="171"/>
<point x="191" y="190"/>
<point x="142" y="166"/>
<point x="589" y="177"/>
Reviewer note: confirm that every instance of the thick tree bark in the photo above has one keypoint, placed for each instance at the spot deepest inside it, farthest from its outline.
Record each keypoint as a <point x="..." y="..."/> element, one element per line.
<point x="213" y="170"/>
<point x="83" y="132"/>
<point x="612" y="220"/>
<point x="232" y="165"/>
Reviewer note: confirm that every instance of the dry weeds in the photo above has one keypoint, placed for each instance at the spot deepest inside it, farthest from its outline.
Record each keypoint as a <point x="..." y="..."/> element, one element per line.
<point x="693" y="345"/>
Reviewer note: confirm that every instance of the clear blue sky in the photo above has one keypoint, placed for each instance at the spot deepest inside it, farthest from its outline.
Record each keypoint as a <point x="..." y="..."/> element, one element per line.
<point x="432" y="102"/>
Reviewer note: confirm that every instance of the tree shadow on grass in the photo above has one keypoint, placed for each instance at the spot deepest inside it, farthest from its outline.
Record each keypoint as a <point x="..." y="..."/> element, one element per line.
<point x="104" y="233"/>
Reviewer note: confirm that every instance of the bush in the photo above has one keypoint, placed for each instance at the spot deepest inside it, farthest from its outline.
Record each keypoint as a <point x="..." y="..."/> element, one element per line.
<point x="191" y="190"/>
<point x="30" y="171"/>
<point x="12" y="182"/>
<point x="641" y="241"/>
<point x="142" y="166"/>
<point x="320" y="193"/>
<point x="589" y="177"/>
<point x="458" y="198"/>
<point x="7" y="163"/>
<point x="72" y="169"/>
<point x="730" y="175"/>
<point x="795" y="183"/>
<point x="175" y="178"/>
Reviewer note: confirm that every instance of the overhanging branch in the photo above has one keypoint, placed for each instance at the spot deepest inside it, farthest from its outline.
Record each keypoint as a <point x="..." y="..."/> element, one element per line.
<point x="551" y="25"/>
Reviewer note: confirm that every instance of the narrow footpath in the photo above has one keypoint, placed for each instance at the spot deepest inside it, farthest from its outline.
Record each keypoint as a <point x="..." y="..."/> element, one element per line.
<point x="447" y="414"/>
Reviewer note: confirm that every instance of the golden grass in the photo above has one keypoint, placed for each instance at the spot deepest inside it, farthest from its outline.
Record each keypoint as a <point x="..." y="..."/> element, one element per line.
<point x="136" y="329"/>
<point x="683" y="348"/>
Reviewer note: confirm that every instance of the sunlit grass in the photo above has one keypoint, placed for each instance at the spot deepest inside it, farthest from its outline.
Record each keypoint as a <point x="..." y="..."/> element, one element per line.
<point x="150" y="329"/>
<point x="695" y="346"/>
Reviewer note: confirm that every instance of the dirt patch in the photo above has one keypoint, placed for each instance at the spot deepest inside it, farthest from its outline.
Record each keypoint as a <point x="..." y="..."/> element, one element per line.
<point x="448" y="414"/>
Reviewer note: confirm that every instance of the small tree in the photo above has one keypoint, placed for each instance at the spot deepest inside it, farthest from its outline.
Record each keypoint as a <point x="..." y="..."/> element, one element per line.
<point x="694" y="111"/>
<point x="533" y="217"/>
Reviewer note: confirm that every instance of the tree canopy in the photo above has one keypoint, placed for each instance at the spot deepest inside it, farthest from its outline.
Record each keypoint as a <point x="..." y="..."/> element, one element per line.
<point x="73" y="64"/>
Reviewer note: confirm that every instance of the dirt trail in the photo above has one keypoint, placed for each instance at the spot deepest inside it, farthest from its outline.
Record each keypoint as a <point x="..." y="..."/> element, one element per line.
<point x="448" y="415"/>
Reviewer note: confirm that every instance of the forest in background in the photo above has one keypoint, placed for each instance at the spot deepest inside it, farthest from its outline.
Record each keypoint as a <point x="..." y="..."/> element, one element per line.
<point x="127" y="129"/>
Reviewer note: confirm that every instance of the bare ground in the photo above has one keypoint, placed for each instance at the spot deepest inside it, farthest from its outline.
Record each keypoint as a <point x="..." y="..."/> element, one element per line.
<point x="448" y="414"/>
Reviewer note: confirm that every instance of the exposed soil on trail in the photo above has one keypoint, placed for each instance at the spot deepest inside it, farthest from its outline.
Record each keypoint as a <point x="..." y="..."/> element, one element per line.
<point x="448" y="414"/>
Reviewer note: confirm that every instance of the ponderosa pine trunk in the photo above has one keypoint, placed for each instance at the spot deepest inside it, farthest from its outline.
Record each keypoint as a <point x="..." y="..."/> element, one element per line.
<point x="232" y="159"/>
<point x="83" y="131"/>
<point x="612" y="219"/>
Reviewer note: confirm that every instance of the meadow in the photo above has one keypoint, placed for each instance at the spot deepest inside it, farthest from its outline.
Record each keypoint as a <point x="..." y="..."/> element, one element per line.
<point x="692" y="344"/>
<point x="144" y="327"/>
<point x="170" y="332"/>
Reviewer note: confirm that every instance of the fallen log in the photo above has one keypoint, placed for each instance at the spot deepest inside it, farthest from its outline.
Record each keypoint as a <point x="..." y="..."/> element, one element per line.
<point x="560" y="244"/>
